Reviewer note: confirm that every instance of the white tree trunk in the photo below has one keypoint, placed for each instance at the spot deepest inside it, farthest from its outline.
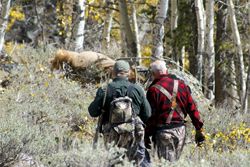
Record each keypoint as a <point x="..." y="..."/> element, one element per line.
<point x="232" y="94"/>
<point x="126" y="28"/>
<point x="201" y="21"/>
<point x="136" y="32"/>
<point x="245" y="106"/>
<point x="124" y="47"/>
<point x="209" y="78"/>
<point x="174" y="20"/>
<point x="5" y="11"/>
<point x="174" y="16"/>
<point x="238" y="47"/>
<point x="182" y="59"/>
<point x="107" y="25"/>
<point x="158" y="31"/>
<point x="79" y="35"/>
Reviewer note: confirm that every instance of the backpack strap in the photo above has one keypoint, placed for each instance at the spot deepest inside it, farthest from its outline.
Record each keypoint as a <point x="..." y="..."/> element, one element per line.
<point x="129" y="90"/>
<point x="172" y="98"/>
<point x="163" y="90"/>
<point x="175" y="90"/>
<point x="129" y="93"/>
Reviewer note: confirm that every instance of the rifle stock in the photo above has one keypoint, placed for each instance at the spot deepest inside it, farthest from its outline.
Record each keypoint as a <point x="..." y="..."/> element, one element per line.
<point x="98" y="130"/>
<point x="99" y="123"/>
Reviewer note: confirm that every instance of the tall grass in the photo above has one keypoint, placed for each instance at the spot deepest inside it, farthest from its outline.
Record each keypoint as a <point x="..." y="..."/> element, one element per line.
<point x="44" y="118"/>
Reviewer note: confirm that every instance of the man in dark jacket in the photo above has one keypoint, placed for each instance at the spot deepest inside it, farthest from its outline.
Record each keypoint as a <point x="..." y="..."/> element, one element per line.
<point x="140" y="106"/>
<point x="171" y="101"/>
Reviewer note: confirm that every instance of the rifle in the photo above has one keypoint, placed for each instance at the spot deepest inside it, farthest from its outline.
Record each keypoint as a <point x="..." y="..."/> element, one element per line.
<point x="99" y="123"/>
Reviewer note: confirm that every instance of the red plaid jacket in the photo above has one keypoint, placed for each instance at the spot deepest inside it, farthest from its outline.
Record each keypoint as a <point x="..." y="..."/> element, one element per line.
<point x="161" y="105"/>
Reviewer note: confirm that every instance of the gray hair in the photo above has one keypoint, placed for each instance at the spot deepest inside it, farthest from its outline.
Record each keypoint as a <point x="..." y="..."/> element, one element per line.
<point x="158" y="66"/>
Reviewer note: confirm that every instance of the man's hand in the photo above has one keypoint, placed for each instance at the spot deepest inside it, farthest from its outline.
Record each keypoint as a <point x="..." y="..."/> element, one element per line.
<point x="199" y="137"/>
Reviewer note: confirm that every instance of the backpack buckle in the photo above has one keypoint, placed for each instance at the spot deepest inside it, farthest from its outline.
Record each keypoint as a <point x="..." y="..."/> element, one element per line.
<point x="174" y="104"/>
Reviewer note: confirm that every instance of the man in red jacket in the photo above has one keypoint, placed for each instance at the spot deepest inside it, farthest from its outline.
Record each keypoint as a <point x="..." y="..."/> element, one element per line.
<point x="171" y="101"/>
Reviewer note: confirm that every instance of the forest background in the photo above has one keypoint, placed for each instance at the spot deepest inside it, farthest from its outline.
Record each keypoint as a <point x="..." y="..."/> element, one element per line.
<point x="44" y="119"/>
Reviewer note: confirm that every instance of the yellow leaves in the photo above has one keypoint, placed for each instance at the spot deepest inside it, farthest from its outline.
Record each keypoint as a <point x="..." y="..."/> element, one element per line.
<point x="1" y="90"/>
<point x="85" y="118"/>
<point x="64" y="15"/>
<point x="146" y="52"/>
<point x="63" y="23"/>
<point x="9" y="46"/>
<point x="96" y="17"/>
<point x="193" y="132"/>
<point x="248" y="139"/>
<point x="16" y="13"/>
<point x="50" y="76"/>
<point x="32" y="94"/>
<point x="41" y="67"/>
<point x="69" y="19"/>
<point x="219" y="134"/>
<point x="207" y="136"/>
<point x="226" y="45"/>
<point x="152" y="2"/>
<point x="46" y="84"/>
<point x="115" y="33"/>
<point x="90" y="1"/>
<point x="80" y="127"/>
<point x="230" y="140"/>
<point x="186" y="63"/>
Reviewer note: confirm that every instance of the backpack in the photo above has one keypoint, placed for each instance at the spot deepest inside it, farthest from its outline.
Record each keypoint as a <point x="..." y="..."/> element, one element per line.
<point x="121" y="114"/>
<point x="128" y="127"/>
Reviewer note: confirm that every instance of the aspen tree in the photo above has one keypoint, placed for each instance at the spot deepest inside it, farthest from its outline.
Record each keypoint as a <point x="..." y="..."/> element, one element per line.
<point x="201" y="20"/>
<point x="136" y="32"/>
<point x="220" y="70"/>
<point x="127" y="30"/>
<point x="79" y="34"/>
<point x="5" y="11"/>
<point x="238" y="48"/>
<point x="247" y="95"/>
<point x="173" y="20"/>
<point x="209" y="67"/>
<point x="107" y="24"/>
<point x="158" y="31"/>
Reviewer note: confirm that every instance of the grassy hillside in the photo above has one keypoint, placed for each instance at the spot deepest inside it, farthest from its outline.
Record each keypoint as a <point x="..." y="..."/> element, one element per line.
<point x="45" y="122"/>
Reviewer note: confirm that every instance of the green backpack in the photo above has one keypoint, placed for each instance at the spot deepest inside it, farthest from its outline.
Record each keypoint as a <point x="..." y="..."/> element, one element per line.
<point x="121" y="114"/>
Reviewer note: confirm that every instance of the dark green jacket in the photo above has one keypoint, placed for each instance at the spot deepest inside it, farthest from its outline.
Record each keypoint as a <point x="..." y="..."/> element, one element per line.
<point x="118" y="88"/>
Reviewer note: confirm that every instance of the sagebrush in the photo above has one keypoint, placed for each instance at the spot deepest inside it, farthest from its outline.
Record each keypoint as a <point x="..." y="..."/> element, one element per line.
<point x="44" y="118"/>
